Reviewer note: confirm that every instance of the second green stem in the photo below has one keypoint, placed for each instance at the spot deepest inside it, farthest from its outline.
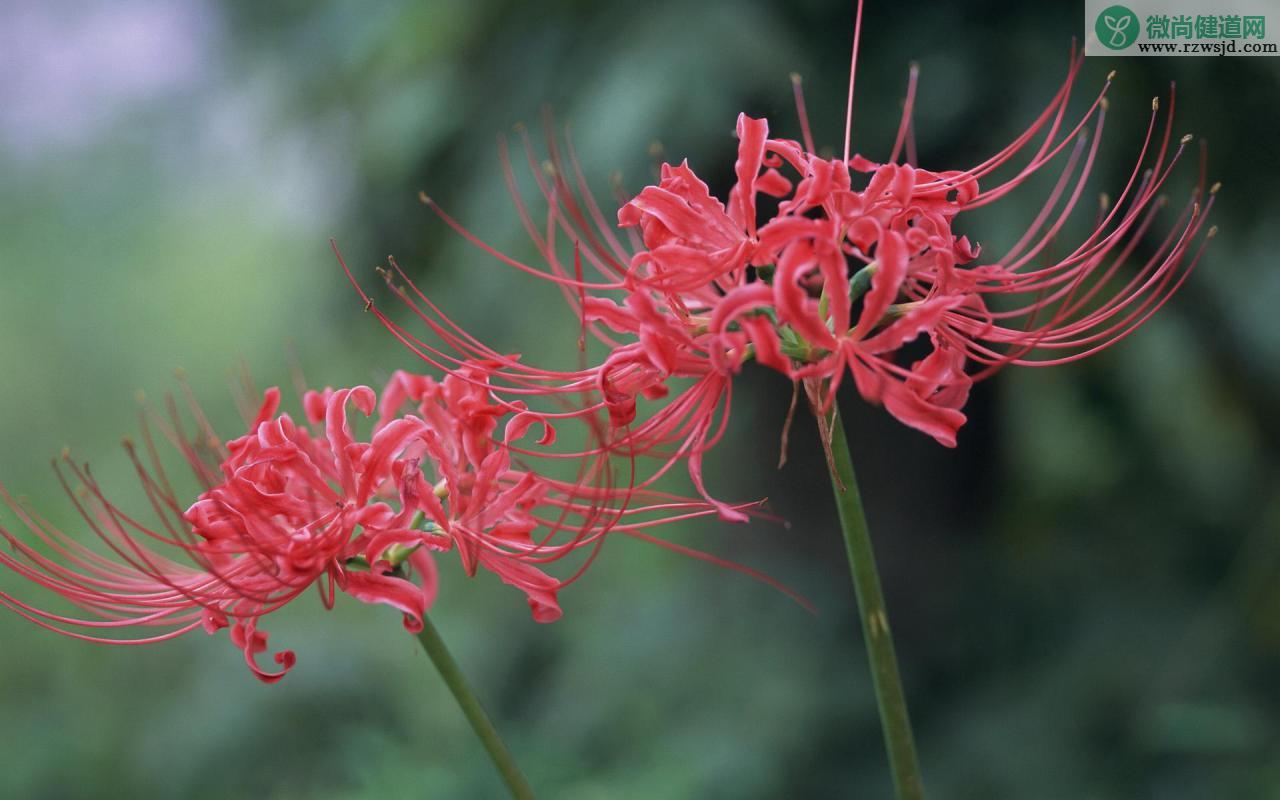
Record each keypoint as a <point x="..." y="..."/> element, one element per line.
<point x="892" y="701"/>
<point x="475" y="713"/>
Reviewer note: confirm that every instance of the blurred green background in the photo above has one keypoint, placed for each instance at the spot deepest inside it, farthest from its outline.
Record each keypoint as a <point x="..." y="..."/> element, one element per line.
<point x="1084" y="593"/>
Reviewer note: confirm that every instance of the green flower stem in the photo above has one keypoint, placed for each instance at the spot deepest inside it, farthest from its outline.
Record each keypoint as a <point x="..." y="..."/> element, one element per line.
<point x="475" y="713"/>
<point x="894" y="719"/>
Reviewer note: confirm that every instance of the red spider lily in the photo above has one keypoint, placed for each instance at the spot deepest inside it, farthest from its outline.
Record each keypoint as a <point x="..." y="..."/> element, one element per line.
<point x="288" y="506"/>
<point x="842" y="278"/>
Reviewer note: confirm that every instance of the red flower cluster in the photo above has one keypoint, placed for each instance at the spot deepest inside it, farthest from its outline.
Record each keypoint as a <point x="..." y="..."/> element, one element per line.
<point x="818" y="268"/>
<point x="816" y="272"/>
<point x="288" y="506"/>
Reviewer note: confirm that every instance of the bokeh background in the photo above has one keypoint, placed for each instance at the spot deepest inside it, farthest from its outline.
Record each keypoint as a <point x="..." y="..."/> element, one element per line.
<point x="1084" y="593"/>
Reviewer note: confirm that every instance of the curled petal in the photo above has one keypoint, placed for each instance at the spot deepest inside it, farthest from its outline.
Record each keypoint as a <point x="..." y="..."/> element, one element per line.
<point x="540" y="587"/>
<point x="752" y="134"/>
<point x="886" y="283"/>
<point x="246" y="636"/>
